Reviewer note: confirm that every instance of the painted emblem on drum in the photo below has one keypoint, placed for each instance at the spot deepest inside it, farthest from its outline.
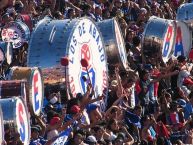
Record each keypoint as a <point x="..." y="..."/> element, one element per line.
<point x="183" y="39"/>
<point x="168" y="43"/>
<point x="15" y="33"/>
<point x="86" y="54"/>
<point x="37" y="92"/>
<point x="178" y="45"/>
<point x="22" y="122"/>
<point x="86" y="42"/>
<point x="120" y="44"/>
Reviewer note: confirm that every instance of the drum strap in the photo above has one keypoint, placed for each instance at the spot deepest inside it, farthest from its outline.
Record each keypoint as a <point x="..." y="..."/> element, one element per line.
<point x="0" y="89"/>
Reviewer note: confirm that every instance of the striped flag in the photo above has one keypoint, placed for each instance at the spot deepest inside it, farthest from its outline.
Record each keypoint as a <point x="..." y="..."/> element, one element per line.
<point x="63" y="137"/>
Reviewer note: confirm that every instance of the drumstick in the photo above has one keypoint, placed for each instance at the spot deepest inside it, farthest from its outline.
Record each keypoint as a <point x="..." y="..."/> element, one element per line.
<point x="64" y="62"/>
<point x="84" y="63"/>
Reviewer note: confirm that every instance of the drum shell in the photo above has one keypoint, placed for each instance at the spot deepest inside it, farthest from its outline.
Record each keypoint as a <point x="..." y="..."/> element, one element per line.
<point x="13" y="88"/>
<point x="11" y="108"/>
<point x="23" y="33"/>
<point x="1" y="127"/>
<point x="28" y="74"/>
<point x="114" y="42"/>
<point x="155" y="39"/>
<point x="41" y="38"/>
<point x="53" y="39"/>
<point x="185" y="14"/>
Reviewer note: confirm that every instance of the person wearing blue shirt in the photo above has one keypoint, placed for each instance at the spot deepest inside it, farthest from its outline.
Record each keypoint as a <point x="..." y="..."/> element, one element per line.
<point x="35" y="138"/>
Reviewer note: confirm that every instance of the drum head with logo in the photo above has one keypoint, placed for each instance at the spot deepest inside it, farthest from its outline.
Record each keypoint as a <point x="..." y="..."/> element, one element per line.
<point x="16" y="32"/>
<point x="15" y="116"/>
<point x="34" y="89"/>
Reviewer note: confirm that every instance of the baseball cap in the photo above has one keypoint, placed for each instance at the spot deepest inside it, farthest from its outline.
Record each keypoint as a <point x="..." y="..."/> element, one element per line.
<point x="35" y="129"/>
<point x="54" y="120"/>
<point x="91" y="139"/>
<point x="75" y="109"/>
<point x="181" y="102"/>
<point x="114" y="83"/>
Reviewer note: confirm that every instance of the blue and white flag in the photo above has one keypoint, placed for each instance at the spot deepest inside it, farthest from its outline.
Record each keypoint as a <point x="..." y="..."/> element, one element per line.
<point x="63" y="137"/>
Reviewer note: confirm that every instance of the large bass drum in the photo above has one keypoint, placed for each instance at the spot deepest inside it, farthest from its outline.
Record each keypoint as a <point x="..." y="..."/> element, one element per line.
<point x="16" y="32"/>
<point x="15" y="116"/>
<point x="34" y="86"/>
<point x="185" y="14"/>
<point x="77" y="39"/>
<point x="114" y="42"/>
<point x="158" y="38"/>
<point x="13" y="88"/>
<point x="1" y="127"/>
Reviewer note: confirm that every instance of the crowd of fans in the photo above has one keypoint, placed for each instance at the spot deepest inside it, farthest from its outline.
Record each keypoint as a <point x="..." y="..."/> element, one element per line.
<point x="163" y="95"/>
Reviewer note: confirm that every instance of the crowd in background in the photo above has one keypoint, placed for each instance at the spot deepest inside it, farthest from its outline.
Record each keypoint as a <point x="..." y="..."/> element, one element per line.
<point x="163" y="110"/>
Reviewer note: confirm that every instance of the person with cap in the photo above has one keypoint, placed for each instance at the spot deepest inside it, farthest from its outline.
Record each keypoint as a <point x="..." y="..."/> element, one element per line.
<point x="54" y="103"/>
<point x="98" y="14"/>
<point x="91" y="140"/>
<point x="186" y="102"/>
<point x="35" y="137"/>
<point x="143" y="15"/>
<point x="57" y="125"/>
<point x="184" y="80"/>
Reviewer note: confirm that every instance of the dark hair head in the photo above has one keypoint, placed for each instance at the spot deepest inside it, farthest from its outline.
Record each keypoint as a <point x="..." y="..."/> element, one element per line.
<point x="190" y="95"/>
<point x="160" y="141"/>
<point x="136" y="40"/>
<point x="143" y="73"/>
<point x="181" y="58"/>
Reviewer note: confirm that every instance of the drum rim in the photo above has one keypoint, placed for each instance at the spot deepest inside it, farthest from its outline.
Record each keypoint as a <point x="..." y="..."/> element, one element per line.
<point x="1" y="63"/>
<point x="33" y="69"/>
<point x="2" y="125"/>
<point x="123" y="41"/>
<point x="27" y="117"/>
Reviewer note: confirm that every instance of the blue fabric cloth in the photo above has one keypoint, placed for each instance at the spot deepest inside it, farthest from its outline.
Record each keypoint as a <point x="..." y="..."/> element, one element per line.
<point x="40" y="140"/>
<point x="152" y="132"/>
<point x="63" y="137"/>
<point x="91" y="107"/>
<point x="188" y="110"/>
<point x="69" y="117"/>
<point x="132" y="118"/>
